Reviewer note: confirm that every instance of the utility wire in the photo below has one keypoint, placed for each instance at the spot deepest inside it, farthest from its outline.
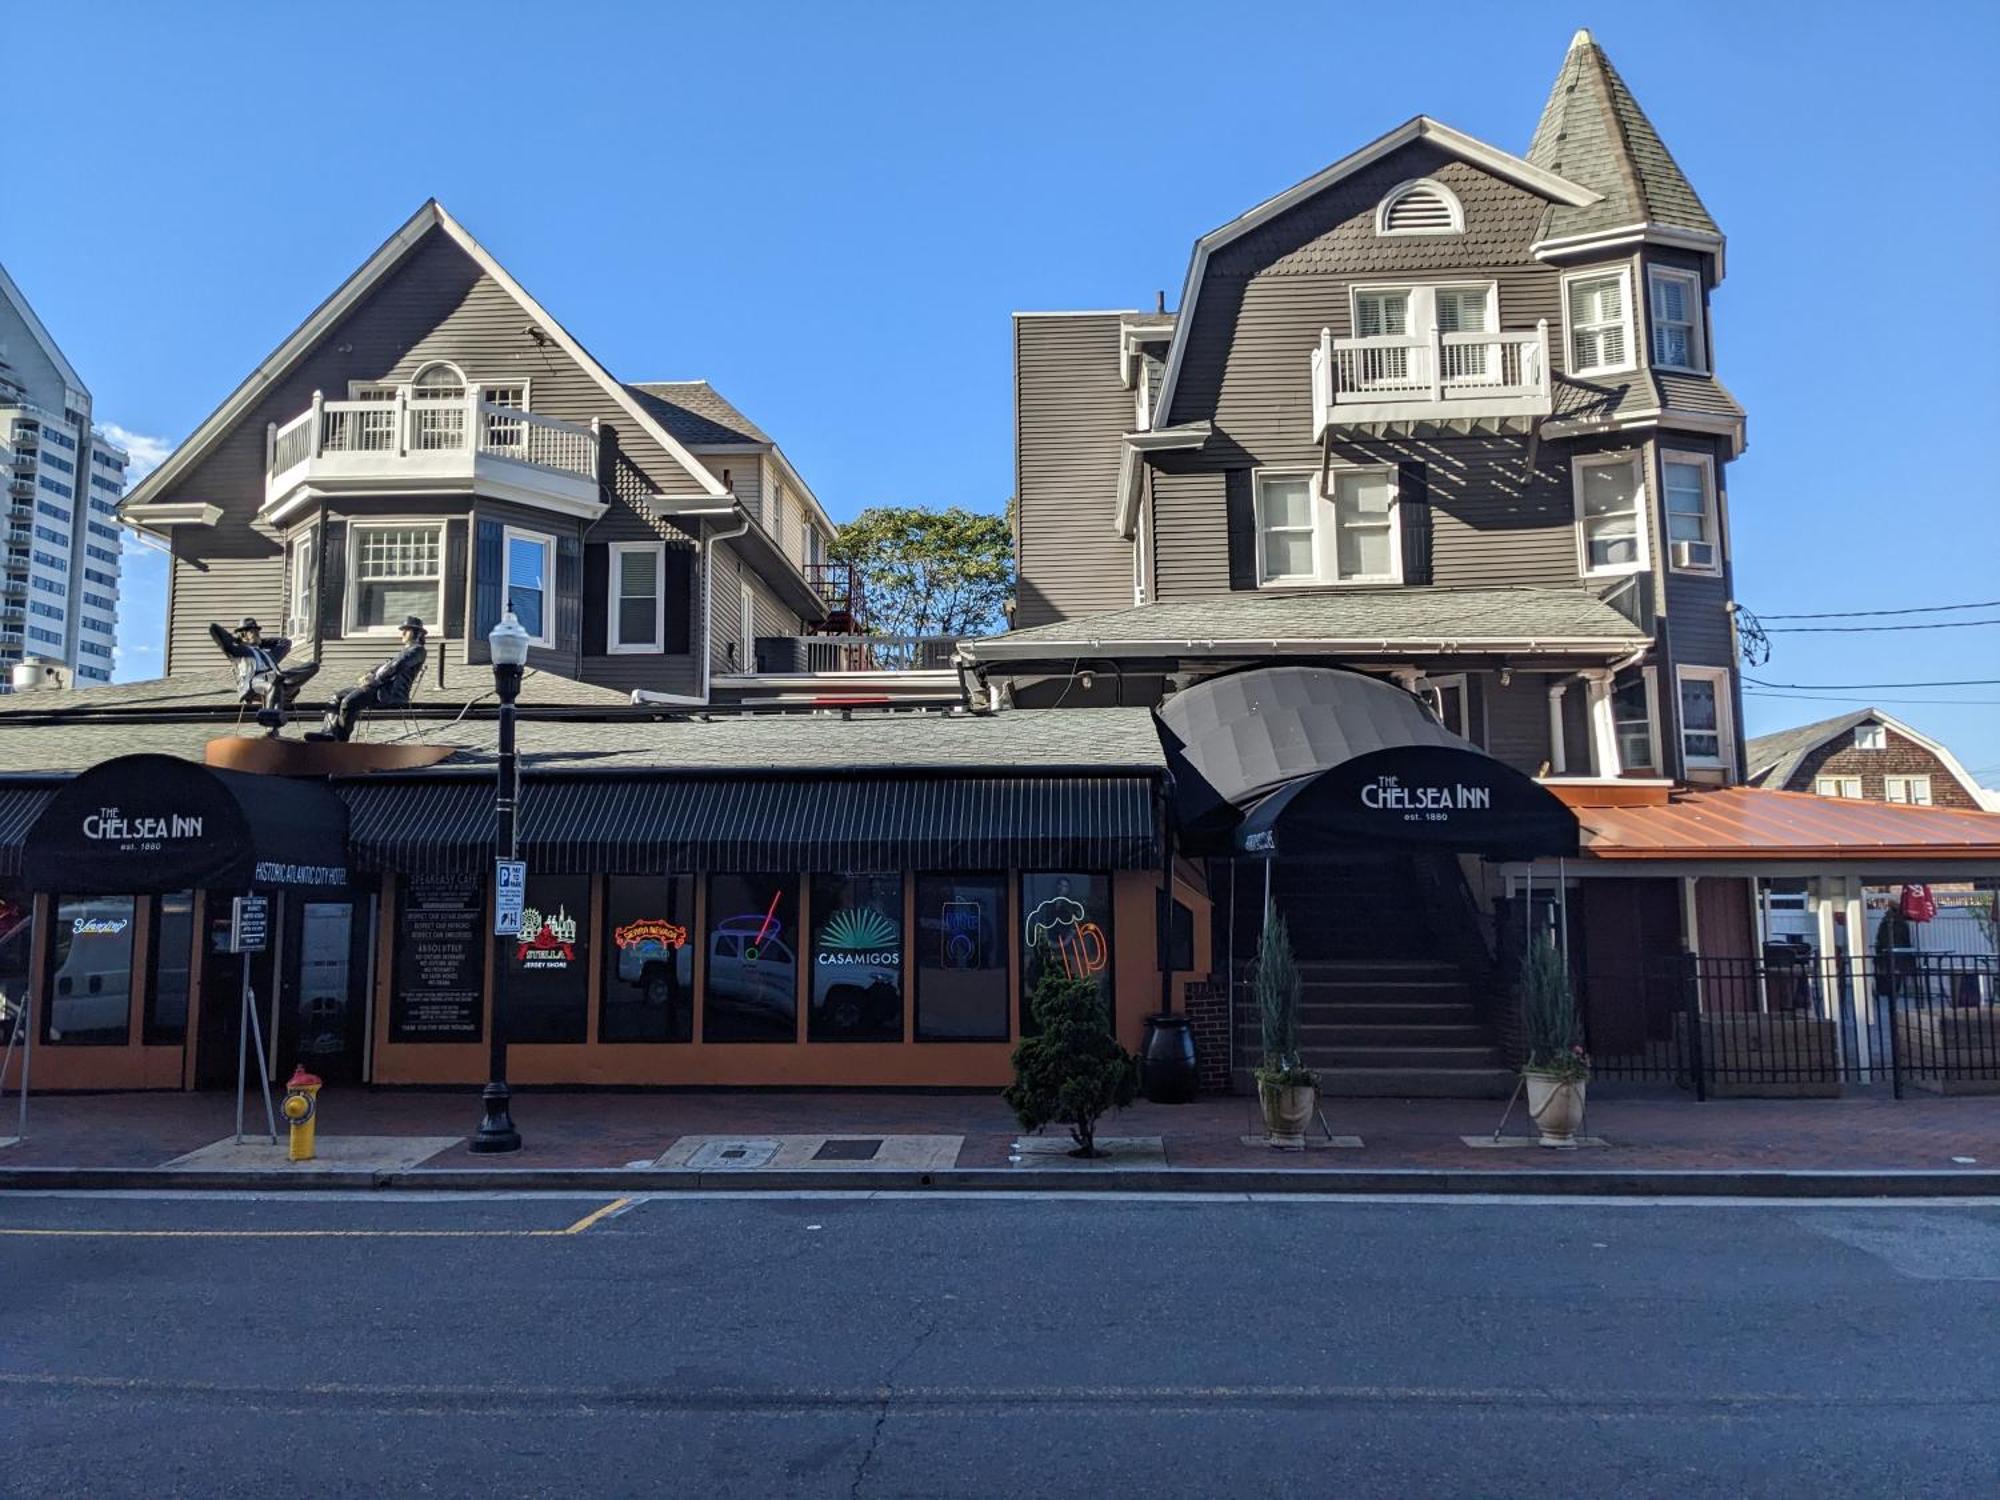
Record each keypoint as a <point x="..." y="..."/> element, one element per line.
<point x="1848" y="687"/>
<point x="1837" y="698"/>
<point x="1921" y="609"/>
<point x="1858" y="629"/>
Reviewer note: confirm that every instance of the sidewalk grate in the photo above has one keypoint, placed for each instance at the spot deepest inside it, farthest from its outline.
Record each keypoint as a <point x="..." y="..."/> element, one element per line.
<point x="847" y="1151"/>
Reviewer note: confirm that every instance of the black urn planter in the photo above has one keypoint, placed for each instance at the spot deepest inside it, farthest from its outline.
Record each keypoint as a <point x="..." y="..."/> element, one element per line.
<point x="1166" y="1061"/>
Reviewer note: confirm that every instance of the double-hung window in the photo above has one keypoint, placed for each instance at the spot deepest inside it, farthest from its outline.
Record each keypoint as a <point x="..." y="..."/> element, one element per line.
<point x="1915" y="790"/>
<point x="1676" y="301"/>
<point x="1705" y="731"/>
<point x="1349" y="535"/>
<point x="1466" y="309"/>
<point x="398" y="571"/>
<point x="1364" y="526"/>
<point x="1383" y="314"/>
<point x="1632" y="721"/>
<point x="1600" y="336"/>
<point x="1610" y="513"/>
<point x="1689" y="482"/>
<point x="638" y="605"/>
<point x="1838" y="786"/>
<point x="525" y="579"/>
<point x="1285" y="530"/>
<point x="301" y="591"/>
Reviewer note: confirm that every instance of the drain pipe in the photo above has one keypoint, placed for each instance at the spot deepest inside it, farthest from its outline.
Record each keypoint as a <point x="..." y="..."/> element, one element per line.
<point x="708" y="541"/>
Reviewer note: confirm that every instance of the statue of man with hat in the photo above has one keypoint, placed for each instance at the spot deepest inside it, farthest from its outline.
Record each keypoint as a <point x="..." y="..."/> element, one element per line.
<point x="260" y="677"/>
<point x="388" y="684"/>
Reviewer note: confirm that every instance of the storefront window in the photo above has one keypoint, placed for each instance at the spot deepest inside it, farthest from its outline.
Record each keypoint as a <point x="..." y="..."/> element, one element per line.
<point x="648" y="959"/>
<point x="961" y="958"/>
<point x="857" y="959"/>
<point x="1069" y="917"/>
<point x="17" y="940"/>
<point x="751" y="968"/>
<point x="548" y="963"/>
<point x="173" y="961"/>
<point x="90" y="971"/>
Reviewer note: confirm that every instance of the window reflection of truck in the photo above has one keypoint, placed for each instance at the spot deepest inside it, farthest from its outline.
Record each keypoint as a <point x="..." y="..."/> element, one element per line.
<point x="89" y="998"/>
<point x="653" y="958"/>
<point x="750" y="967"/>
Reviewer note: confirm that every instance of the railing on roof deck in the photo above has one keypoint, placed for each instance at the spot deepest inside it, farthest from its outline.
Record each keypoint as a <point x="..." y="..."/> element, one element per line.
<point x="839" y="584"/>
<point x="405" y="425"/>
<point x="834" y="654"/>
<point x="1433" y="367"/>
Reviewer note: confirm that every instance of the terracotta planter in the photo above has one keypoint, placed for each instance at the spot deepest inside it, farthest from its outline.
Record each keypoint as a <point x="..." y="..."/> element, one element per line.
<point x="1556" y="1106"/>
<point x="1287" y="1112"/>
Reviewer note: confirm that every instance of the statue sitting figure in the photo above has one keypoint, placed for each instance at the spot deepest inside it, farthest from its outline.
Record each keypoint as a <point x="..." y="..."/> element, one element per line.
<point x="386" y="685"/>
<point x="259" y="677"/>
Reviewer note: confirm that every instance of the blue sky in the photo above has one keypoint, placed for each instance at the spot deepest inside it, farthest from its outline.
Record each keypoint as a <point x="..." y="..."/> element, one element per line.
<point x="830" y="211"/>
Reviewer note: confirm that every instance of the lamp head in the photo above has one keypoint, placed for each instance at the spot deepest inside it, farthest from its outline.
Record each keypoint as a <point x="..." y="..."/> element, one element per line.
<point x="509" y="642"/>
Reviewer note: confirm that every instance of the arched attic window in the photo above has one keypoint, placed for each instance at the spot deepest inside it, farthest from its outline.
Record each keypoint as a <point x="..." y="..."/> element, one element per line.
<point x="438" y="381"/>
<point x="1419" y="207"/>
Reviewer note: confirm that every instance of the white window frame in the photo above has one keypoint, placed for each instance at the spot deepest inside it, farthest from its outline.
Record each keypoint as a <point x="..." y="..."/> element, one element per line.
<point x="1650" y="676"/>
<point x="614" y="642"/>
<point x="1910" y="787"/>
<point x="1871" y="736"/>
<point x="355" y="531"/>
<point x="1599" y="273"/>
<point x="429" y="365"/>
<point x="299" y="559"/>
<point x="508" y="536"/>
<point x="1642" y="516"/>
<point x="1258" y="479"/>
<point x="1435" y="687"/>
<point x="1725" y="719"/>
<point x="1423" y="319"/>
<point x="1837" y="787"/>
<point x="385" y="390"/>
<point x="1697" y="332"/>
<point x="1711" y="506"/>
<point x="1402" y="190"/>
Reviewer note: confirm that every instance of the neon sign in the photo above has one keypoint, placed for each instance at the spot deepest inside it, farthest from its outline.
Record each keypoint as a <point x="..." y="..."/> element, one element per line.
<point x="1062" y="922"/>
<point x="860" y="935"/>
<point x="650" y="932"/>
<point x="546" y="942"/>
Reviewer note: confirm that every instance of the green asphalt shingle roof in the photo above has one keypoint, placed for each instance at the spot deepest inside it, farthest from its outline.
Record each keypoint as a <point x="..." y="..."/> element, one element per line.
<point x="212" y="690"/>
<point x="1349" y="614"/>
<point x="1593" y="132"/>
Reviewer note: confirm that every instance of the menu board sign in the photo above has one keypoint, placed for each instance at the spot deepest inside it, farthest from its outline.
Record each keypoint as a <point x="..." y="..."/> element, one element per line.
<point x="440" y="962"/>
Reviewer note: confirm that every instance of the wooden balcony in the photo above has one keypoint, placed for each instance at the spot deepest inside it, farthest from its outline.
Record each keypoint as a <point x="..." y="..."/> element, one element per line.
<point x="412" y="445"/>
<point x="1496" y="382"/>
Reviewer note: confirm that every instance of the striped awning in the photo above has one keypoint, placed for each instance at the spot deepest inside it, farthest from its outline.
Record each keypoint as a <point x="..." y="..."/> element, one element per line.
<point x="19" y="807"/>
<point x="661" y="825"/>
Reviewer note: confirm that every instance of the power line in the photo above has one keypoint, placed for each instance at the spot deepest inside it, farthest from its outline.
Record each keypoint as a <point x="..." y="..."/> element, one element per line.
<point x="1831" y="698"/>
<point x="1920" y="609"/>
<point x="1857" y="629"/>
<point x="1848" y="687"/>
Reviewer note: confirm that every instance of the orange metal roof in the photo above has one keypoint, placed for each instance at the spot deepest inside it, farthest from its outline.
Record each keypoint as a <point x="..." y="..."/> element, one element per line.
<point x="1741" y="822"/>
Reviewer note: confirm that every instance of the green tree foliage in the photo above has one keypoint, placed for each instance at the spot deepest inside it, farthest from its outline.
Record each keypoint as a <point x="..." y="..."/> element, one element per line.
<point x="1075" y="1071"/>
<point x="1275" y="983"/>
<point x="931" y="572"/>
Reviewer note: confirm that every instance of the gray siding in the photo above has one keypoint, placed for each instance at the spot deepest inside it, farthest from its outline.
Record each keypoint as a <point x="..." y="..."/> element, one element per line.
<point x="1517" y="719"/>
<point x="1070" y="413"/>
<point x="769" y="617"/>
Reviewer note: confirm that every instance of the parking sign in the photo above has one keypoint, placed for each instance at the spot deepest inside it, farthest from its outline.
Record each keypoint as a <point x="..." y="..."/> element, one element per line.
<point x="510" y="889"/>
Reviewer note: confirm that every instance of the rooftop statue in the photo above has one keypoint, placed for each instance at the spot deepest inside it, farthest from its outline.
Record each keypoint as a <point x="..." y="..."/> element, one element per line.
<point x="386" y="685"/>
<point x="260" y="679"/>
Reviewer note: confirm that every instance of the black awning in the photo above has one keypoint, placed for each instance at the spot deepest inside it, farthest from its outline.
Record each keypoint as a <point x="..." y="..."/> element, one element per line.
<point x="19" y="807"/>
<point x="1430" y="796"/>
<point x="663" y="825"/>
<point x="151" y="823"/>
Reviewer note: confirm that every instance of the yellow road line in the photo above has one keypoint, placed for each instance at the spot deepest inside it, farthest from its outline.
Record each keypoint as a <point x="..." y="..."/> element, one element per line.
<point x="616" y="1205"/>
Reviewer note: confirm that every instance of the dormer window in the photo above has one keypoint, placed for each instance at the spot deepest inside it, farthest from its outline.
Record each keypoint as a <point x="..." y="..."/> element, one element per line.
<point x="1420" y="207"/>
<point x="1870" y="736"/>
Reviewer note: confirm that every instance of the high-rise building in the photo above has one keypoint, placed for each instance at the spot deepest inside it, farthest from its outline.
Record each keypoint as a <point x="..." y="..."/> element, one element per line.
<point x="59" y="571"/>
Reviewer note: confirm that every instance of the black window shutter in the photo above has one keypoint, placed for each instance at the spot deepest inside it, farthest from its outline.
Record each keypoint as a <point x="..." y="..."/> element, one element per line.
<point x="454" y="580"/>
<point x="569" y="594"/>
<point x="596" y="586"/>
<point x="1413" y="499"/>
<point x="486" y="581"/>
<point x="679" y="584"/>
<point x="1241" y="522"/>
<point x="332" y="578"/>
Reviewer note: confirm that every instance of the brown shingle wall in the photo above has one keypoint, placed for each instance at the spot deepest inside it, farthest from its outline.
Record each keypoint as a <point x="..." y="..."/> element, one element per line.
<point x="1903" y="757"/>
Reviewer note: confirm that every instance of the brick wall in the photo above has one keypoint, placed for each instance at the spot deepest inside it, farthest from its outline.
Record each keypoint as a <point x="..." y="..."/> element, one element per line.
<point x="1208" y="1019"/>
<point x="1902" y="757"/>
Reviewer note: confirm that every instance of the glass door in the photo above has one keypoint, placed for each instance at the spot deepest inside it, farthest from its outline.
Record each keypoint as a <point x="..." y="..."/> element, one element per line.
<point x="323" y="1008"/>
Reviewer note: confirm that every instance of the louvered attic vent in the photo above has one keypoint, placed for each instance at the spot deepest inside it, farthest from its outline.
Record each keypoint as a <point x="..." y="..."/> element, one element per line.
<point x="1420" y="207"/>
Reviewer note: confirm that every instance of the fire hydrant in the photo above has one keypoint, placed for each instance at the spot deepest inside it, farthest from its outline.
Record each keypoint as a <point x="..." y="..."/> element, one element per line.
<point x="300" y="1107"/>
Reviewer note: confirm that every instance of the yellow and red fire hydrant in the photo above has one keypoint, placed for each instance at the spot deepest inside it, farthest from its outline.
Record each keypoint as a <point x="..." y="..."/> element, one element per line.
<point x="301" y="1107"/>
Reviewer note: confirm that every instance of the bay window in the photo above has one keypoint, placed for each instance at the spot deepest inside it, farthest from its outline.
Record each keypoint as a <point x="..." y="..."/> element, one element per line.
<point x="1692" y="527"/>
<point x="1705" y="729"/>
<point x="638" y="597"/>
<point x="1599" y="308"/>
<point x="529" y="564"/>
<point x="397" y="571"/>
<point x="1610" y="501"/>
<point x="1676" y="301"/>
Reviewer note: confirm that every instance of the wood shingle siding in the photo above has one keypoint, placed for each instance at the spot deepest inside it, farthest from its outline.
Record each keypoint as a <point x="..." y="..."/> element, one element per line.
<point x="1070" y="412"/>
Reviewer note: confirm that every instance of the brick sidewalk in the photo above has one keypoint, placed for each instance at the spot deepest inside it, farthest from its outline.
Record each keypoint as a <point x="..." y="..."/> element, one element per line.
<point x="568" y="1129"/>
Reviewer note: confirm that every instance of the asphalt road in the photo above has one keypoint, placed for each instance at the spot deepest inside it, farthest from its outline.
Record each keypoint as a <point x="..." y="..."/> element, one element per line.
<point x="932" y="1346"/>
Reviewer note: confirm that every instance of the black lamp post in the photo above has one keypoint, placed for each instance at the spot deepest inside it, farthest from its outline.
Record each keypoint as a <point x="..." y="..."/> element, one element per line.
<point x="509" y="644"/>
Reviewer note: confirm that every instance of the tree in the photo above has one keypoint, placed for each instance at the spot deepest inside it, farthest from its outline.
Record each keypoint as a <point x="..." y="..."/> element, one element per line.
<point x="930" y="572"/>
<point x="1075" y="1070"/>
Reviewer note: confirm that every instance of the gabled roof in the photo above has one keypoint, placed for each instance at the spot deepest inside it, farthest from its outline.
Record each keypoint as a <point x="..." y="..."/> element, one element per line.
<point x="696" y="413"/>
<point x="373" y="271"/>
<point x="1525" y="174"/>
<point x="1592" y="131"/>
<point x="1773" y="759"/>
<point x="18" y="300"/>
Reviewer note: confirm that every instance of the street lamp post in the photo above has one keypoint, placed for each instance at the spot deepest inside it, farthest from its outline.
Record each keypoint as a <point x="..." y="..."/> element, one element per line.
<point x="509" y="643"/>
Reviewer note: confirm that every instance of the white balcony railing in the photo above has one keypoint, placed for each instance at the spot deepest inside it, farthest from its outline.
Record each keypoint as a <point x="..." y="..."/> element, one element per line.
<point x="1429" y="376"/>
<point x="425" y="440"/>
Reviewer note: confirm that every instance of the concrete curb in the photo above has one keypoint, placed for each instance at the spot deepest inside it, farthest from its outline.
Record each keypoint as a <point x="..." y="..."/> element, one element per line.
<point x="1443" y="1182"/>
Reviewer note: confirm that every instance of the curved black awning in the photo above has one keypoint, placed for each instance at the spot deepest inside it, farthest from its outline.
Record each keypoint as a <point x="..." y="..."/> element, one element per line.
<point x="150" y="823"/>
<point x="1304" y="760"/>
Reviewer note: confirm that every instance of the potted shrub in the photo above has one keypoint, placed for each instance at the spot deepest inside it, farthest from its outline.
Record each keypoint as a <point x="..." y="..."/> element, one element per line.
<point x="1557" y="1071"/>
<point x="1286" y="1087"/>
<point x="1074" y="1071"/>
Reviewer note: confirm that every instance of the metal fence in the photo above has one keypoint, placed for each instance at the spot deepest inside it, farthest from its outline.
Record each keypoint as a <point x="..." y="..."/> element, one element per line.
<point x="1798" y="1027"/>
